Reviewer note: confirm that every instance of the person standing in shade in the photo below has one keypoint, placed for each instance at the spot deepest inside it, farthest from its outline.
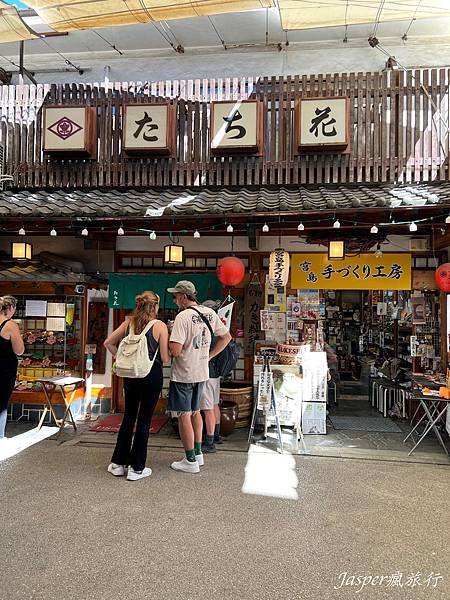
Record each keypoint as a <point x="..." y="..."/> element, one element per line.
<point x="11" y="346"/>
<point x="209" y="400"/>
<point x="190" y="345"/>
<point x="141" y="394"/>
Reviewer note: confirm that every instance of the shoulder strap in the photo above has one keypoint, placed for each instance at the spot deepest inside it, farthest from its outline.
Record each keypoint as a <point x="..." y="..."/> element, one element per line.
<point x="145" y="330"/>
<point x="205" y="320"/>
<point x="4" y="323"/>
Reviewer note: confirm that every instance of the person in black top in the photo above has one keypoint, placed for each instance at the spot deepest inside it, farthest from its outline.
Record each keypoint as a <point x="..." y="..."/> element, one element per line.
<point x="11" y="346"/>
<point x="141" y="395"/>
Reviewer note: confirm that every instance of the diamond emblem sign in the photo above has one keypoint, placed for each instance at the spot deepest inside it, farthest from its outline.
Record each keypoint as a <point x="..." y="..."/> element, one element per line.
<point x="64" y="128"/>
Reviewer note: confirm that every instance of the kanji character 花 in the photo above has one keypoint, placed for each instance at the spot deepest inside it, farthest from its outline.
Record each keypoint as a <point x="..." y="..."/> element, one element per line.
<point x="322" y="115"/>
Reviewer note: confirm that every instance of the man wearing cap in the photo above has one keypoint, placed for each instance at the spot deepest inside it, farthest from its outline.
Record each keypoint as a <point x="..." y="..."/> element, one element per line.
<point x="209" y="400"/>
<point x="189" y="344"/>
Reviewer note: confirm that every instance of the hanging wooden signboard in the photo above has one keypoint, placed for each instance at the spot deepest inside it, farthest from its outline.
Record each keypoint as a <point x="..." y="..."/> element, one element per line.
<point x="70" y="130"/>
<point x="237" y="127"/>
<point x="149" y="129"/>
<point x="392" y="271"/>
<point x="323" y="124"/>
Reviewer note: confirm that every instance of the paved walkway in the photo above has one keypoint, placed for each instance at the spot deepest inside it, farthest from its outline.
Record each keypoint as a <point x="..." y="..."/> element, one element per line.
<point x="256" y="526"/>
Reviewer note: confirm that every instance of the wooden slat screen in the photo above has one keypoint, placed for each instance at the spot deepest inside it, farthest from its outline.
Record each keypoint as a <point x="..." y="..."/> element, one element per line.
<point x="398" y="133"/>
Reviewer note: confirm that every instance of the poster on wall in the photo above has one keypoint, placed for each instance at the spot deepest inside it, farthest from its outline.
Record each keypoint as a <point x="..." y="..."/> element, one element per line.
<point x="275" y="297"/>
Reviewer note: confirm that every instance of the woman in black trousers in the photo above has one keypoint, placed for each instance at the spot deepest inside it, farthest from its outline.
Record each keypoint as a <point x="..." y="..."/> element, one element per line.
<point x="141" y="395"/>
<point x="11" y="346"/>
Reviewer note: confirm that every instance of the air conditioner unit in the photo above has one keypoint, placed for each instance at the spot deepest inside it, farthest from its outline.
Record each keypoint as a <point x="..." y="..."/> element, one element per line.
<point x="419" y="244"/>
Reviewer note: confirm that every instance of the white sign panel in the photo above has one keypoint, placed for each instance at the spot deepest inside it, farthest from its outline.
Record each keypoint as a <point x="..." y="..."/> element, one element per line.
<point x="323" y="122"/>
<point x="65" y="129"/>
<point x="234" y="125"/>
<point x="146" y="127"/>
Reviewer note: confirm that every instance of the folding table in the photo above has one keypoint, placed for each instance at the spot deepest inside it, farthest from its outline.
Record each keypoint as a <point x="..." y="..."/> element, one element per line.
<point x="434" y="408"/>
<point x="67" y="387"/>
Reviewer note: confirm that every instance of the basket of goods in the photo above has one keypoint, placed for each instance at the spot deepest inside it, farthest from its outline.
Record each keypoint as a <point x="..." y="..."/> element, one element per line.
<point x="289" y="354"/>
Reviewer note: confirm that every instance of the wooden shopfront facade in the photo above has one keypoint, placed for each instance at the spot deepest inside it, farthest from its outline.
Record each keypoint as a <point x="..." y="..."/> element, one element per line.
<point x="391" y="169"/>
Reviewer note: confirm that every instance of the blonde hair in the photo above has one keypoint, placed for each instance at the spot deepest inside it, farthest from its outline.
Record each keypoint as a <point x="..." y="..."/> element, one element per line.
<point x="146" y="310"/>
<point x="7" y="302"/>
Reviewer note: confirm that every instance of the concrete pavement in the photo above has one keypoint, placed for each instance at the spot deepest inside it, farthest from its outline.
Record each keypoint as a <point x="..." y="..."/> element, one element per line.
<point x="250" y="526"/>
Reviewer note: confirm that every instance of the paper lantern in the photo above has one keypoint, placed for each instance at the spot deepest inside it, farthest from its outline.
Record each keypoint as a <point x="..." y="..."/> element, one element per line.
<point x="174" y="254"/>
<point x="230" y="270"/>
<point x="442" y="277"/>
<point x="279" y="268"/>
<point x="336" y="249"/>
<point x="21" y="250"/>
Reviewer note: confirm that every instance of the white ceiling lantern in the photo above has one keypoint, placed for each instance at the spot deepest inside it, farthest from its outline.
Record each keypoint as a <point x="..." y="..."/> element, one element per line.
<point x="301" y="227"/>
<point x="336" y="224"/>
<point x="85" y="232"/>
<point x="374" y="229"/>
<point x="265" y="228"/>
<point x="22" y="231"/>
<point x="53" y="232"/>
<point x="152" y="236"/>
<point x="413" y="227"/>
<point x="196" y="234"/>
<point x="230" y="228"/>
<point x="120" y="231"/>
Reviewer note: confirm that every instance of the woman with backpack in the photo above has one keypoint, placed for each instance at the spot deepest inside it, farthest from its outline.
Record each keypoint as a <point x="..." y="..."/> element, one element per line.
<point x="141" y="390"/>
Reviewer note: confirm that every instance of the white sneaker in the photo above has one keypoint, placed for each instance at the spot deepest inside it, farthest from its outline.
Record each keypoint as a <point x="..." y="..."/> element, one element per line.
<point x="135" y="475"/>
<point x="200" y="459"/>
<point x="186" y="466"/>
<point x="116" y="470"/>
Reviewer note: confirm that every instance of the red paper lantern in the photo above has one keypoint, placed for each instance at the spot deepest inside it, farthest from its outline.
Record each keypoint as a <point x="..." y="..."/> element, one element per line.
<point x="230" y="270"/>
<point x="442" y="277"/>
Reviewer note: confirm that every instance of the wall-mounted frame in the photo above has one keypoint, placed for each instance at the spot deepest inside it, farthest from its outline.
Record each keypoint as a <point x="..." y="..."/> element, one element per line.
<point x="323" y="125"/>
<point x="149" y="129"/>
<point x="237" y="127"/>
<point x="70" y="130"/>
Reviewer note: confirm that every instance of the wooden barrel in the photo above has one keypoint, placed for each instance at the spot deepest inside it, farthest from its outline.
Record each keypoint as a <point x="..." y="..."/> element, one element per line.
<point x="240" y="392"/>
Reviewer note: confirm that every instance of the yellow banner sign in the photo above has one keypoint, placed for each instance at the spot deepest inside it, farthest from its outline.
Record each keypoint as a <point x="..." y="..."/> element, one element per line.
<point x="363" y="272"/>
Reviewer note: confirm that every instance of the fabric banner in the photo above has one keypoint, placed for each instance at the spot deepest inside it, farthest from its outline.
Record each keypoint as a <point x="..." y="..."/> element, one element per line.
<point x="265" y="386"/>
<point x="391" y="271"/>
<point x="124" y="287"/>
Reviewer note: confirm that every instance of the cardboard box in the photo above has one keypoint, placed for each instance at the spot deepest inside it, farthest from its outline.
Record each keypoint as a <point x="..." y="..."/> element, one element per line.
<point x="314" y="418"/>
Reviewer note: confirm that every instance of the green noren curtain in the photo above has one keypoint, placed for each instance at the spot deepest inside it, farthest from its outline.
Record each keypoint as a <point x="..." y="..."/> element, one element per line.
<point x="123" y="287"/>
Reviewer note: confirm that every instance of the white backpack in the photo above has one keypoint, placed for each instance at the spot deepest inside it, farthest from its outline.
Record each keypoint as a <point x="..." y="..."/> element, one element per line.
<point x="132" y="359"/>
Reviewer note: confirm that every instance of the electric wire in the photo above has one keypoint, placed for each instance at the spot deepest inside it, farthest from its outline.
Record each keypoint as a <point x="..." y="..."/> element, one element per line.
<point x="217" y="32"/>
<point x="108" y="42"/>
<point x="65" y="59"/>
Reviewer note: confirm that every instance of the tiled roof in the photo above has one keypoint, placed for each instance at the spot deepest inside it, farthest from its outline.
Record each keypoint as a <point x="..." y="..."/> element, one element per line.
<point x="38" y="270"/>
<point x="158" y="202"/>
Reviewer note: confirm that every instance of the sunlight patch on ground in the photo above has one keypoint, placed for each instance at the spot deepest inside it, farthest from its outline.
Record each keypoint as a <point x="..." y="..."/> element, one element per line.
<point x="15" y="445"/>
<point x="270" y="473"/>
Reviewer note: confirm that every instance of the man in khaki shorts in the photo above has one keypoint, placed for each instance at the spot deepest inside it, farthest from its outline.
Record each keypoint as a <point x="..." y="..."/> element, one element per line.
<point x="209" y="400"/>
<point x="190" y="346"/>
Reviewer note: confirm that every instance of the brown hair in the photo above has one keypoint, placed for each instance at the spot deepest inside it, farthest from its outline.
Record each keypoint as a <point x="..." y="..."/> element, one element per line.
<point x="7" y="302"/>
<point x="145" y="311"/>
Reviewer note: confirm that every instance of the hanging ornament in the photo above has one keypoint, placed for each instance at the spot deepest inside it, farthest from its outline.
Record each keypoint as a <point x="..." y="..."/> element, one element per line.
<point x="442" y="276"/>
<point x="279" y="268"/>
<point x="230" y="270"/>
